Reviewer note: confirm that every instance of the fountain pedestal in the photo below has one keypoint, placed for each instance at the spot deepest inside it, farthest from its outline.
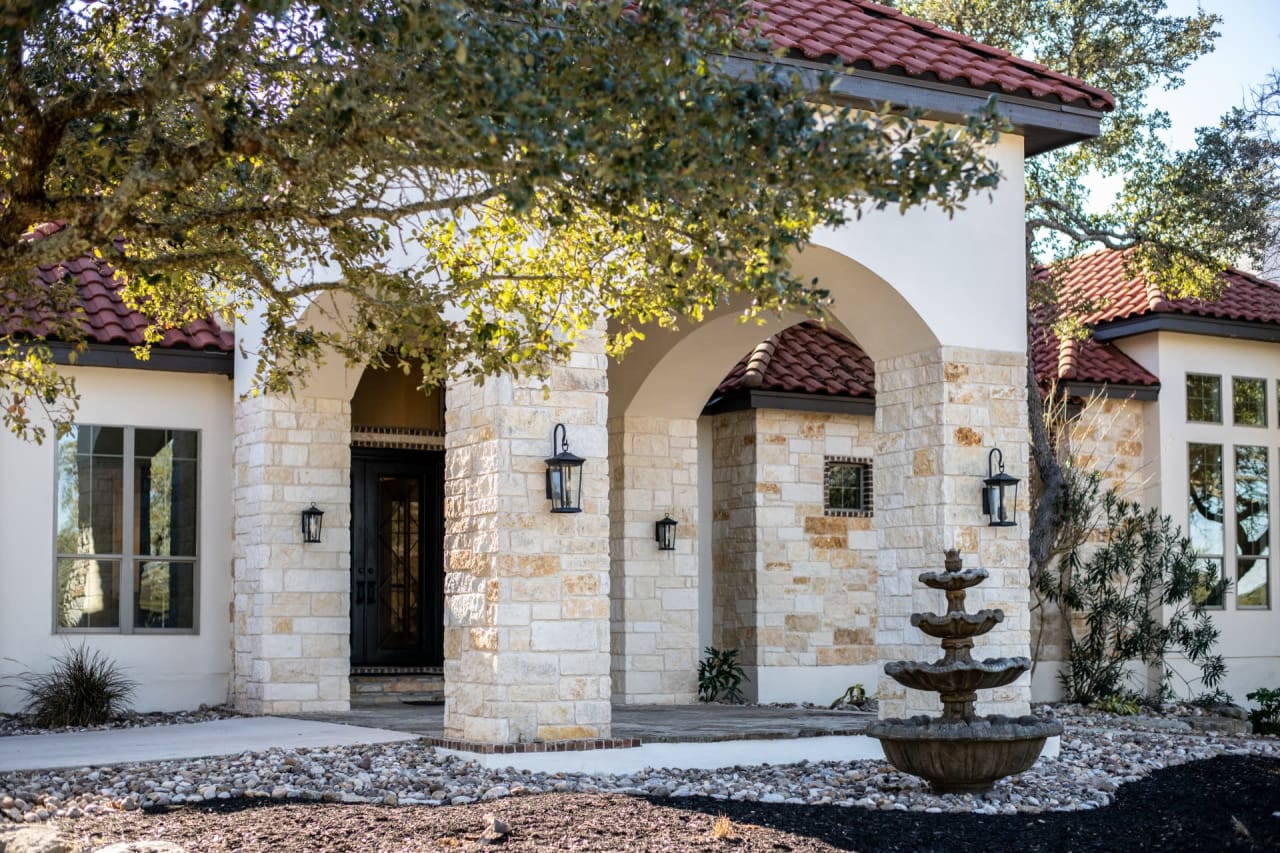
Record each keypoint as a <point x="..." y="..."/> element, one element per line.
<point x="960" y="752"/>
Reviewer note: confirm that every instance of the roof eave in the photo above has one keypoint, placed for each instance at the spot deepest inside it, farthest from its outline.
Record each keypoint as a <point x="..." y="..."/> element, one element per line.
<point x="1110" y="390"/>
<point x="1045" y="125"/>
<point x="741" y="399"/>
<point x="170" y="359"/>
<point x="1190" y="324"/>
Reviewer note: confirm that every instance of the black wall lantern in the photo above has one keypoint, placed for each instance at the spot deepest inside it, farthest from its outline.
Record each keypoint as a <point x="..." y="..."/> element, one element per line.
<point x="564" y="474"/>
<point x="312" y="521"/>
<point x="665" y="532"/>
<point x="999" y="492"/>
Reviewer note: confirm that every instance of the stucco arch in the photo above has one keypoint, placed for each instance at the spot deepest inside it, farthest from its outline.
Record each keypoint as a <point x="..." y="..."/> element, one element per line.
<point x="672" y="373"/>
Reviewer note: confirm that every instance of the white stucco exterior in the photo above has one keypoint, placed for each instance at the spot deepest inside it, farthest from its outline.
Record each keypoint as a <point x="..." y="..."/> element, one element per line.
<point x="178" y="670"/>
<point x="1250" y="639"/>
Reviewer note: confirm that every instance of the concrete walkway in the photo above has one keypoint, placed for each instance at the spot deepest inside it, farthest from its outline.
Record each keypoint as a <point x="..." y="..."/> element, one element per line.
<point x="182" y="740"/>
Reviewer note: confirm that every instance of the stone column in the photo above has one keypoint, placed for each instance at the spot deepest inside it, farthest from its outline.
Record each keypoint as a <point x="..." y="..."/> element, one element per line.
<point x="654" y="471"/>
<point x="291" y="634"/>
<point x="938" y="414"/>
<point x="526" y="591"/>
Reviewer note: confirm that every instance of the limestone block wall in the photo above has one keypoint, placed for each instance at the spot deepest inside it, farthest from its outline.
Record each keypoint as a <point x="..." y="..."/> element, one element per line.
<point x="737" y="562"/>
<point x="938" y="414"/>
<point x="653" y="471"/>
<point x="816" y="595"/>
<point x="1106" y="436"/>
<point x="794" y="588"/>
<point x="526" y="591"/>
<point x="291" y="624"/>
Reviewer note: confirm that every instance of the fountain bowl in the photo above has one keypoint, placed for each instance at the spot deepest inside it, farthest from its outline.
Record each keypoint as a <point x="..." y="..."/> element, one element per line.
<point x="967" y="756"/>
<point x="957" y="676"/>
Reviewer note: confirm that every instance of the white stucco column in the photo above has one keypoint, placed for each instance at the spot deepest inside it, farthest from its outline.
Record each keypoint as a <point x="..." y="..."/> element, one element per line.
<point x="938" y="414"/>
<point x="526" y="635"/>
<point x="291" y="624"/>
<point x="654" y="471"/>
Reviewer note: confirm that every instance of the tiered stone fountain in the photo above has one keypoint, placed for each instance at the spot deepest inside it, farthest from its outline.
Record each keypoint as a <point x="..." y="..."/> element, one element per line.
<point x="960" y="752"/>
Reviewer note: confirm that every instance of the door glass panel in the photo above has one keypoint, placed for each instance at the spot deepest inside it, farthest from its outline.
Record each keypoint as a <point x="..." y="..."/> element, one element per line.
<point x="399" y="599"/>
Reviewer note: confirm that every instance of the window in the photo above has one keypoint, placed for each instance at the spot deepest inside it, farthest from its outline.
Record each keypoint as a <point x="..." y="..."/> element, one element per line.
<point x="1249" y="401"/>
<point x="847" y="486"/>
<point x="1205" y="511"/>
<point x="1253" y="527"/>
<point x="126" y="529"/>
<point x="1204" y="398"/>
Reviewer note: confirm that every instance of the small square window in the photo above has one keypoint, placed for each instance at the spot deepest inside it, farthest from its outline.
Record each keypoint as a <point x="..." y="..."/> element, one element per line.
<point x="847" y="487"/>
<point x="1249" y="401"/>
<point x="1204" y="398"/>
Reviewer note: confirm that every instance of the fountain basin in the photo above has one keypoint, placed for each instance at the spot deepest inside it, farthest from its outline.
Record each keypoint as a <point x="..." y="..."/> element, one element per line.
<point x="959" y="626"/>
<point x="957" y="676"/>
<point x="963" y="757"/>
<point x="950" y="581"/>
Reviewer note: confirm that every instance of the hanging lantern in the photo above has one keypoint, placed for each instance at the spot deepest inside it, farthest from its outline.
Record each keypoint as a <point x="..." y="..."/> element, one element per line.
<point x="665" y="533"/>
<point x="312" y="521"/>
<point x="999" y="492"/>
<point x="564" y="474"/>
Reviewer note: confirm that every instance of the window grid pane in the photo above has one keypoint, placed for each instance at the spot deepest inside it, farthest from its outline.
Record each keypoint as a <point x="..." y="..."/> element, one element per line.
<point x="1249" y="401"/>
<point x="1204" y="398"/>
<point x="847" y="486"/>
<point x="95" y="466"/>
<point x="1252" y="526"/>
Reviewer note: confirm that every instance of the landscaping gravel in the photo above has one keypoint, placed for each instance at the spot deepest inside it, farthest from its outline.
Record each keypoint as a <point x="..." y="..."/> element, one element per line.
<point x="20" y="724"/>
<point x="1100" y="754"/>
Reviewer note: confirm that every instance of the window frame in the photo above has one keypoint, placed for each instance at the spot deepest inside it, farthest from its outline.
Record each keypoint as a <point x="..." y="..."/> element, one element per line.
<point x="1265" y="407"/>
<point x="128" y="557"/>
<point x="867" y="465"/>
<point x="1186" y="408"/>
<point x="1268" y="558"/>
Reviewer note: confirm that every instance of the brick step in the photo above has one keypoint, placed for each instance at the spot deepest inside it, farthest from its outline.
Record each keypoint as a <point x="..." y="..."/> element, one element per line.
<point x="396" y="688"/>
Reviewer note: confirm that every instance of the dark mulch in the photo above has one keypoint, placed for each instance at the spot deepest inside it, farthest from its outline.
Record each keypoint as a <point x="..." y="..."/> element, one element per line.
<point x="1227" y="803"/>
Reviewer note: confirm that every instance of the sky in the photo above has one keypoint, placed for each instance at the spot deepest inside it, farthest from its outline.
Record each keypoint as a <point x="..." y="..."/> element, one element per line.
<point x="1246" y="51"/>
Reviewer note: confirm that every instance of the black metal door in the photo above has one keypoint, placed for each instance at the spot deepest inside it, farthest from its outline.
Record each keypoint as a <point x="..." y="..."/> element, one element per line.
<point x="397" y="558"/>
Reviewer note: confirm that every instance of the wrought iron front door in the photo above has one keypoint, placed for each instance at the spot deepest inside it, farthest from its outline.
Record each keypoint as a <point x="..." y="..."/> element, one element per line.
<point x="397" y="558"/>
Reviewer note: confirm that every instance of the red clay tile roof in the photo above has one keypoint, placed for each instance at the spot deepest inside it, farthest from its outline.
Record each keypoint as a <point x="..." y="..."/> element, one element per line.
<point x="868" y="35"/>
<point x="1101" y="276"/>
<point x="806" y="358"/>
<point x="1088" y="361"/>
<point x="107" y="320"/>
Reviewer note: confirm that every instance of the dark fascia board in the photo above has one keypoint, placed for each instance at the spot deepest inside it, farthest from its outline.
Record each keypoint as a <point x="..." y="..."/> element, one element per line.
<point x="742" y="400"/>
<point x="1190" y="324"/>
<point x="1111" y="390"/>
<point x="172" y="360"/>
<point x="1044" y="125"/>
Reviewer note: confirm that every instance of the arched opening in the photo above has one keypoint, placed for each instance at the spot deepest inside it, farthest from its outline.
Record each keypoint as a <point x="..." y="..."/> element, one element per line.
<point x="760" y="565"/>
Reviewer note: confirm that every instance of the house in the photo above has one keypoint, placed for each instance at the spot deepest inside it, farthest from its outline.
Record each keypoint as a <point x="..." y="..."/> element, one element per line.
<point x="175" y="508"/>
<point x="1179" y="411"/>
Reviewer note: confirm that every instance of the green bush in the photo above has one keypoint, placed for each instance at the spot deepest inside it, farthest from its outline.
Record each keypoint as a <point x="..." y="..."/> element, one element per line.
<point x="1266" y="717"/>
<point x="720" y="675"/>
<point x="84" y="688"/>
<point x="1139" y="593"/>
<point x="1119" y="704"/>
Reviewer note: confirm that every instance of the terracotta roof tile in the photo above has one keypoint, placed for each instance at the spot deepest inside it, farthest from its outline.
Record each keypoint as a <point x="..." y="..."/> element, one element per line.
<point x="806" y="358"/>
<point x="1087" y="361"/>
<point x="107" y="319"/>
<point x="868" y="35"/>
<point x="1102" y="277"/>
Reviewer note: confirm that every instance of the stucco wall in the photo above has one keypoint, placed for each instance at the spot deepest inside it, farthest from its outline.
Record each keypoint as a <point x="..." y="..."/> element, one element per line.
<point x="1250" y="639"/>
<point x="174" y="671"/>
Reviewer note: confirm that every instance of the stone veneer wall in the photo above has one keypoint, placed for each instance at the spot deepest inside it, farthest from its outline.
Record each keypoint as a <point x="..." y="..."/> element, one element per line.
<point x="736" y="559"/>
<point x="938" y="414"/>
<point x="526" y="591"/>
<point x="291" y="624"/>
<point x="793" y="587"/>
<point x="1106" y="436"/>
<point x="654" y="594"/>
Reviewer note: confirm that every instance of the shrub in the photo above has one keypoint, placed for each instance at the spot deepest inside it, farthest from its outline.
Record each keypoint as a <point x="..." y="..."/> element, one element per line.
<point x="84" y="688"/>
<point x="1118" y="704"/>
<point x="1138" y="595"/>
<point x="720" y="675"/>
<point x="1266" y="717"/>
<point x="856" y="695"/>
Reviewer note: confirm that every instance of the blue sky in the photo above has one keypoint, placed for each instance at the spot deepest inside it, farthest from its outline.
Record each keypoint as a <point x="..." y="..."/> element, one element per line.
<point x="1246" y="51"/>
